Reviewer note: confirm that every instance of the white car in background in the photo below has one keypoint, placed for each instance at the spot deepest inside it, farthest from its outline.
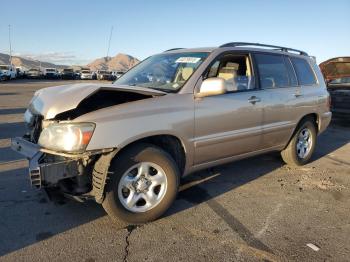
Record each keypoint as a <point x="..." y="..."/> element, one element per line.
<point x="7" y="72"/>
<point x="34" y="73"/>
<point x="51" y="73"/>
<point x="86" y="74"/>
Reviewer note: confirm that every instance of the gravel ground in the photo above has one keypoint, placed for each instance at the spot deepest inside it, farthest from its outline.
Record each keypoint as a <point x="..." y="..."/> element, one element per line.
<point x="256" y="209"/>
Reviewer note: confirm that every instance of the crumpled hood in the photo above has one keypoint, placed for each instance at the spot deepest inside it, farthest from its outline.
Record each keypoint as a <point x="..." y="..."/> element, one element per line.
<point x="51" y="101"/>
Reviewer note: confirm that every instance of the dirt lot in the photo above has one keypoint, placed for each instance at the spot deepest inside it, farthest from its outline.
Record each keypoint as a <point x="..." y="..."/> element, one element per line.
<point x="257" y="209"/>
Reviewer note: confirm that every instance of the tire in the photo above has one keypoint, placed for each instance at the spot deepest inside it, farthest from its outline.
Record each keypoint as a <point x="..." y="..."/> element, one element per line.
<point x="291" y="155"/>
<point x="140" y="155"/>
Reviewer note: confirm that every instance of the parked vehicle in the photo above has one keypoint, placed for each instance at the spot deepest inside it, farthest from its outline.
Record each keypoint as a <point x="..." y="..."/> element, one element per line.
<point x="68" y="73"/>
<point x="20" y="72"/>
<point x="336" y="71"/>
<point x="128" y="144"/>
<point x="8" y="72"/>
<point x="51" y="73"/>
<point x="34" y="73"/>
<point x="86" y="74"/>
<point x="94" y="75"/>
<point x="104" y="75"/>
<point x="118" y="74"/>
<point x="77" y="74"/>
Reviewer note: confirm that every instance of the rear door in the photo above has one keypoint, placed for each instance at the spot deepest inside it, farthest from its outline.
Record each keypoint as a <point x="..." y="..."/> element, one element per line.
<point x="280" y="94"/>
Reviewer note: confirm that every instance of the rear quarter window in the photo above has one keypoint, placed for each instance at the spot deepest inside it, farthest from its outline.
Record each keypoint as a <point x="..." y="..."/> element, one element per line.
<point x="305" y="74"/>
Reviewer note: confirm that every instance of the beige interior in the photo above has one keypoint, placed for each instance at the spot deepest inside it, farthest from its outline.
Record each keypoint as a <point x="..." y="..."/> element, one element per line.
<point x="183" y="74"/>
<point x="229" y="71"/>
<point x="186" y="73"/>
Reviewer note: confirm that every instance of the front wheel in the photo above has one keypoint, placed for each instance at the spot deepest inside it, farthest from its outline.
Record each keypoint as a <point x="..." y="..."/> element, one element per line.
<point x="302" y="145"/>
<point x="143" y="184"/>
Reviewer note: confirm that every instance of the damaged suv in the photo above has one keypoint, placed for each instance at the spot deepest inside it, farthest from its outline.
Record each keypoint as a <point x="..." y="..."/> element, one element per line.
<point x="128" y="144"/>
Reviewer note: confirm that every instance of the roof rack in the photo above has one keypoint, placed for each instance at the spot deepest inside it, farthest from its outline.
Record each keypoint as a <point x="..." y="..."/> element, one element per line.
<point x="174" y="49"/>
<point x="281" y="48"/>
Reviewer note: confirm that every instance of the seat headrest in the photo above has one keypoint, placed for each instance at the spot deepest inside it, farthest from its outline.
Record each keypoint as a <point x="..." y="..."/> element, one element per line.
<point x="186" y="73"/>
<point x="232" y="65"/>
<point x="229" y="71"/>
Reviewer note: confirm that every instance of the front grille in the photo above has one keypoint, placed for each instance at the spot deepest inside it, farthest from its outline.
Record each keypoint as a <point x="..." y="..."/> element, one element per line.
<point x="36" y="128"/>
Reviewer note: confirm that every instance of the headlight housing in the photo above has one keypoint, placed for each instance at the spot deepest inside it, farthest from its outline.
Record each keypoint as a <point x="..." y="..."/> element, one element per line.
<point x="67" y="137"/>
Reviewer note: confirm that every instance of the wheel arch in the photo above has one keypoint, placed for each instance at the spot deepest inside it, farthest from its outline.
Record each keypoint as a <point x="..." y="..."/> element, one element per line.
<point x="171" y="144"/>
<point x="313" y="116"/>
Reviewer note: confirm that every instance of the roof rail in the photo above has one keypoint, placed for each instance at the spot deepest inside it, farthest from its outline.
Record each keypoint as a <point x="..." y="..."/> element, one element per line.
<point x="281" y="48"/>
<point x="174" y="49"/>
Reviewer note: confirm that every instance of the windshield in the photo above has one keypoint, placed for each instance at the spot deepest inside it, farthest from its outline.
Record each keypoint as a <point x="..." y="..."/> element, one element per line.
<point x="50" y="70"/>
<point x="4" y="67"/>
<point x="68" y="70"/>
<point x="167" y="72"/>
<point x="85" y="72"/>
<point x="33" y="70"/>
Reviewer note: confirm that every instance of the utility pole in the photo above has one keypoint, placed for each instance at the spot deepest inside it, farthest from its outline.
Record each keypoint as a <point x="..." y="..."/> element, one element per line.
<point x="109" y="43"/>
<point x="10" y="45"/>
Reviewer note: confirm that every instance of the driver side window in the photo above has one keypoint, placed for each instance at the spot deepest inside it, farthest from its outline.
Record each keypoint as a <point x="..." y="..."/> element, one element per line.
<point x="235" y="70"/>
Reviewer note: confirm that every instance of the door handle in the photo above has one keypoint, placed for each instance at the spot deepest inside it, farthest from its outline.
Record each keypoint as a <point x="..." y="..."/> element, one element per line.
<point x="298" y="95"/>
<point x="254" y="99"/>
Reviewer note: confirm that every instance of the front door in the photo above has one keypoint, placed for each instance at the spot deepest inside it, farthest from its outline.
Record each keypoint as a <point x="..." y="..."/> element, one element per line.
<point x="227" y="125"/>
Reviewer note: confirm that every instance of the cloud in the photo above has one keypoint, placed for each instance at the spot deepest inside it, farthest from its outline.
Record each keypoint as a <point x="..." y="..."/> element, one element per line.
<point x="64" y="58"/>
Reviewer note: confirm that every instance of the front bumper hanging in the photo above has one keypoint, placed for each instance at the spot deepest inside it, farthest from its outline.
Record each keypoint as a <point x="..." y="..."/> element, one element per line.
<point x="42" y="173"/>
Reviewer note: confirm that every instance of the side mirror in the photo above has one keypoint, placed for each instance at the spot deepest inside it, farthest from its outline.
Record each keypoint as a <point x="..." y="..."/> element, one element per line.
<point x="212" y="87"/>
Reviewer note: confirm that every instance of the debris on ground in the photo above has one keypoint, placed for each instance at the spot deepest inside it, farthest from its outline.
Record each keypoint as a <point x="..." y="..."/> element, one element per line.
<point x="313" y="247"/>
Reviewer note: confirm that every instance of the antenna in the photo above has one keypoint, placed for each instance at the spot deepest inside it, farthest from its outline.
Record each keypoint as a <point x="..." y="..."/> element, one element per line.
<point x="10" y="45"/>
<point x="109" y="43"/>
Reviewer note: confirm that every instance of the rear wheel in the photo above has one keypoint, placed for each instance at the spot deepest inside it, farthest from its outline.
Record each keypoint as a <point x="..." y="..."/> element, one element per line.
<point x="143" y="184"/>
<point x="302" y="145"/>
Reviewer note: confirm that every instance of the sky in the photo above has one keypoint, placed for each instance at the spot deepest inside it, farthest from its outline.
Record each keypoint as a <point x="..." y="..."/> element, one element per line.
<point x="77" y="32"/>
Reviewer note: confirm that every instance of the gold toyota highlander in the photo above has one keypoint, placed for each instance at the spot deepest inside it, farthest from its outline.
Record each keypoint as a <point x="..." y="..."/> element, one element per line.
<point x="128" y="144"/>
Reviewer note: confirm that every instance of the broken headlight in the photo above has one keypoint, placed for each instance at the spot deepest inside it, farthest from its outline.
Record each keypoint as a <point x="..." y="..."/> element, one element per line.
<point x="67" y="137"/>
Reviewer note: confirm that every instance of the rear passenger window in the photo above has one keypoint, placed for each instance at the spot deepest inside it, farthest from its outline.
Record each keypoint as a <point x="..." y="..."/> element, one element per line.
<point x="304" y="72"/>
<point x="273" y="71"/>
<point x="292" y="77"/>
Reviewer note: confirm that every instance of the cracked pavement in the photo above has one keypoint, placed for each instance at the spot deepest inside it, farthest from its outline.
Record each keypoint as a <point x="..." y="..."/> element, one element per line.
<point x="251" y="210"/>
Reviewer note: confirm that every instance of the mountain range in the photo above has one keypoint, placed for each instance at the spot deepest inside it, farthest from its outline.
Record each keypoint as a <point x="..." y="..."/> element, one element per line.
<point x="26" y="62"/>
<point x="120" y="62"/>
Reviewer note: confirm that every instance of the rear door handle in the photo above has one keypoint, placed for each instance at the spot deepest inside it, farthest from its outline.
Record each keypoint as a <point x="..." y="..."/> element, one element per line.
<point x="254" y="99"/>
<point x="298" y="95"/>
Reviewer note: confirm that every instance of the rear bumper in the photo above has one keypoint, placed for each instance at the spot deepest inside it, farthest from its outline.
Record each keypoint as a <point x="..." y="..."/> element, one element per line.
<point x="324" y="121"/>
<point x="41" y="172"/>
